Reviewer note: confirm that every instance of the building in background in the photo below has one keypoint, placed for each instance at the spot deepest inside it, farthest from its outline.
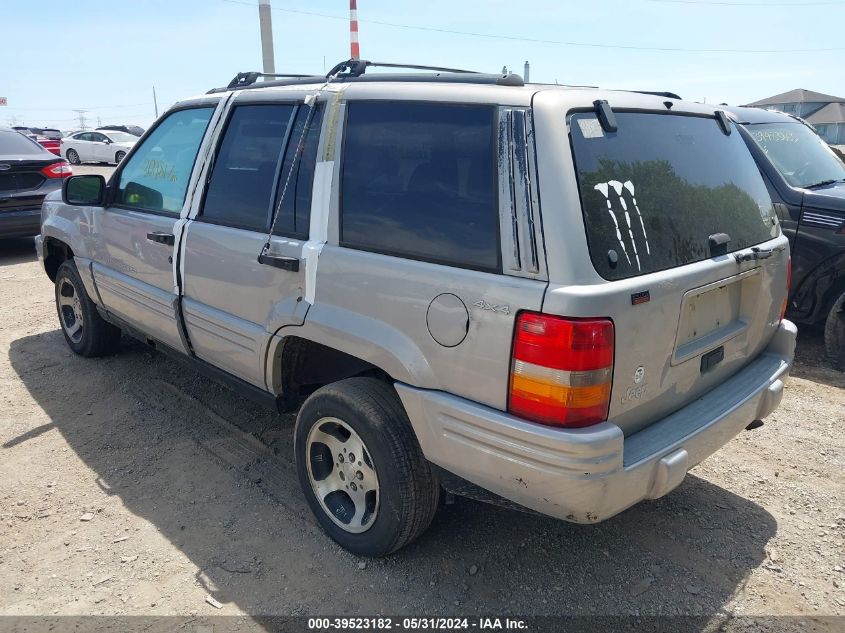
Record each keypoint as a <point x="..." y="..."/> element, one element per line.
<point x="830" y="123"/>
<point x="824" y="112"/>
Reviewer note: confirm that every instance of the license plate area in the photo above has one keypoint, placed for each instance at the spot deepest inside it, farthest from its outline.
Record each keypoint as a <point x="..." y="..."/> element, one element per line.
<point x="716" y="313"/>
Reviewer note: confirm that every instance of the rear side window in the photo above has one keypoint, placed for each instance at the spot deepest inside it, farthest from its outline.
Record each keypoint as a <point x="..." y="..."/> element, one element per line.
<point x="655" y="191"/>
<point x="156" y="176"/>
<point x="241" y="187"/>
<point x="419" y="182"/>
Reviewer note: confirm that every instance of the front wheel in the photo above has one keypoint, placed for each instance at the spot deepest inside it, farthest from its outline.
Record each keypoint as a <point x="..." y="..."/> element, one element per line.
<point x="86" y="332"/>
<point x="361" y="468"/>
<point x="834" y="333"/>
<point x="119" y="157"/>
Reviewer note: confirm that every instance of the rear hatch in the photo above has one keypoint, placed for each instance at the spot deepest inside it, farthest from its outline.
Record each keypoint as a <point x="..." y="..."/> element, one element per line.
<point x="673" y="208"/>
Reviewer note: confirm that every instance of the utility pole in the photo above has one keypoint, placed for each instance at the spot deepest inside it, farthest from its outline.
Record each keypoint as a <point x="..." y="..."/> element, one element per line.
<point x="155" y="101"/>
<point x="527" y="68"/>
<point x="99" y="122"/>
<point x="266" y="21"/>
<point x="81" y="114"/>
<point x="355" y="47"/>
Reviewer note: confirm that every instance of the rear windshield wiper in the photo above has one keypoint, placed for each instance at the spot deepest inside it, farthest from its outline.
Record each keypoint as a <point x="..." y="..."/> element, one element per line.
<point x="822" y="183"/>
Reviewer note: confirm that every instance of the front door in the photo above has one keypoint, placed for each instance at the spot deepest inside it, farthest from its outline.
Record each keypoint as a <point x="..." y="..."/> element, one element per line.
<point x="133" y="259"/>
<point x="232" y="302"/>
<point x="101" y="151"/>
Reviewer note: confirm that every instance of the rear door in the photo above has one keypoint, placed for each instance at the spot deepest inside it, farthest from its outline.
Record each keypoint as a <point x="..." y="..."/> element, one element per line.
<point x="84" y="146"/>
<point x="668" y="201"/>
<point x="232" y="302"/>
<point x="134" y="243"/>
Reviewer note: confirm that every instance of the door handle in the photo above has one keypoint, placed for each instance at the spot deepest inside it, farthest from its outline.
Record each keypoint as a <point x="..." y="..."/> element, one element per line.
<point x="162" y="238"/>
<point x="280" y="261"/>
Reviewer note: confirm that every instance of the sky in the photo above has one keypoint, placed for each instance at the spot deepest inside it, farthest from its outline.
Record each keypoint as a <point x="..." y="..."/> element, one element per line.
<point x="105" y="56"/>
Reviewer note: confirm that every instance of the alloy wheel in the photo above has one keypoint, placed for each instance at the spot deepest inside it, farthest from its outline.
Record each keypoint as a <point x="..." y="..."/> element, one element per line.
<point x="70" y="308"/>
<point x="342" y="475"/>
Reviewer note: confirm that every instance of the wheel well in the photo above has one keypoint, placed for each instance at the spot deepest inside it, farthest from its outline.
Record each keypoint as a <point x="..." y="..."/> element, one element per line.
<point x="55" y="252"/>
<point x="305" y="366"/>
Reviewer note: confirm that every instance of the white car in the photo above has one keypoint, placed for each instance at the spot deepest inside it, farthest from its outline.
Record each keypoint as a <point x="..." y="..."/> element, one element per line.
<point x="104" y="146"/>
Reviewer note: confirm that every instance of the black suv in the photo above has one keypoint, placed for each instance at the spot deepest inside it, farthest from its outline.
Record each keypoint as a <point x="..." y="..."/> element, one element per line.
<point x="806" y="180"/>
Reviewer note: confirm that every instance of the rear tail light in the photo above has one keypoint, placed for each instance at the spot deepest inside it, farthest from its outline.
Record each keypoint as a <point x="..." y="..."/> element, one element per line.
<point x="788" y="285"/>
<point x="561" y="370"/>
<point x="60" y="169"/>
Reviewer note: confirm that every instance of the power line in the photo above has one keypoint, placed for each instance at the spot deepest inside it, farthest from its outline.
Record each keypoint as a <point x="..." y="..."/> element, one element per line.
<point x="105" y="107"/>
<point x="724" y="3"/>
<point x="516" y="38"/>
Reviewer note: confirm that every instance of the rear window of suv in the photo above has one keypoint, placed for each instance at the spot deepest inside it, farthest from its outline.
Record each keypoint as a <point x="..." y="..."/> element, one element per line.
<point x="654" y="191"/>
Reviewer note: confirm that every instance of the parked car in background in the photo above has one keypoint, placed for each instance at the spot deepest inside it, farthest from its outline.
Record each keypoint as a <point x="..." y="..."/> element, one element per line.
<point x="49" y="138"/>
<point x="135" y="130"/>
<point x="566" y="298"/>
<point x="97" y="146"/>
<point x="806" y="180"/>
<point x="28" y="172"/>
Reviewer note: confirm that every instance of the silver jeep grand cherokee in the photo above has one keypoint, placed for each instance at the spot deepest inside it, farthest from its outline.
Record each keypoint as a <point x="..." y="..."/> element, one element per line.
<point x="562" y="298"/>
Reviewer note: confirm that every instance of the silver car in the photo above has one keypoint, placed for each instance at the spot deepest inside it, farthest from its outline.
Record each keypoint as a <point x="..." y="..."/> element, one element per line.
<point x="562" y="298"/>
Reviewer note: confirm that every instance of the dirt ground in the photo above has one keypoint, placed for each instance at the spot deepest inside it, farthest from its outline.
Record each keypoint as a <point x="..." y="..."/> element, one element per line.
<point x="132" y="485"/>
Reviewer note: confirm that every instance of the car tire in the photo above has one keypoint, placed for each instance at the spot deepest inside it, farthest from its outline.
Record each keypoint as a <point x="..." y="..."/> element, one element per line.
<point x="119" y="157"/>
<point x="73" y="157"/>
<point x="85" y="331"/>
<point x="834" y="333"/>
<point x="397" y="493"/>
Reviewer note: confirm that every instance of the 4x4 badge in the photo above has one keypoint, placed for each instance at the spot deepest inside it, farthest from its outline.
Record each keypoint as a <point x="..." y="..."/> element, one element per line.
<point x="504" y="309"/>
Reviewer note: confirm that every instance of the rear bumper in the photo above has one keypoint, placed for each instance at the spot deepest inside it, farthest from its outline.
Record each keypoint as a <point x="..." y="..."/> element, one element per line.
<point x="20" y="223"/>
<point x="588" y="475"/>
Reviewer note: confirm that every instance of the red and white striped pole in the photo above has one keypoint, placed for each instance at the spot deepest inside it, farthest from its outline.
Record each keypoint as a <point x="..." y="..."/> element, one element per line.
<point x="353" y="30"/>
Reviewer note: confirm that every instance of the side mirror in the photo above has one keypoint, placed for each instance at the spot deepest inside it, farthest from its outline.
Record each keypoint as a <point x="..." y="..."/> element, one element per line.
<point x="107" y="141"/>
<point x="86" y="191"/>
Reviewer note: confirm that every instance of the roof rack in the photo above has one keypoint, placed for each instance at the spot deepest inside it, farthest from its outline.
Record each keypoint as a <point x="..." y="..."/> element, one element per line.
<point x="668" y="95"/>
<point x="353" y="70"/>
<point x="357" y="67"/>
<point x="247" y="79"/>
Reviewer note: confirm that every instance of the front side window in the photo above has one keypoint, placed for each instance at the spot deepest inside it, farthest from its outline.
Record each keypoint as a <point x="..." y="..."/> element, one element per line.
<point x="654" y="191"/>
<point x="801" y="157"/>
<point x="419" y="181"/>
<point x="156" y="177"/>
<point x="241" y="187"/>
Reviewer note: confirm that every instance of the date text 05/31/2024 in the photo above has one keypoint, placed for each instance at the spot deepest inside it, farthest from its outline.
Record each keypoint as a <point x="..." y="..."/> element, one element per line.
<point x="409" y="624"/>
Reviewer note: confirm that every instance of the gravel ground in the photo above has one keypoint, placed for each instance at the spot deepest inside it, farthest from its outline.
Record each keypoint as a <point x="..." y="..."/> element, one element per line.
<point x="132" y="485"/>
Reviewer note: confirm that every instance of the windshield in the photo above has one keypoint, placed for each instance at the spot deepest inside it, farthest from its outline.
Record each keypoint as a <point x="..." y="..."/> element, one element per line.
<point x="122" y="137"/>
<point x="798" y="153"/>
<point x="654" y="191"/>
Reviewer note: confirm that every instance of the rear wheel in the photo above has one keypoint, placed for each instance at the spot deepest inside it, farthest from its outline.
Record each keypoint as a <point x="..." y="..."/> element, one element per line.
<point x="119" y="157"/>
<point x="361" y="468"/>
<point x="73" y="157"/>
<point x="834" y="333"/>
<point x="86" y="332"/>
